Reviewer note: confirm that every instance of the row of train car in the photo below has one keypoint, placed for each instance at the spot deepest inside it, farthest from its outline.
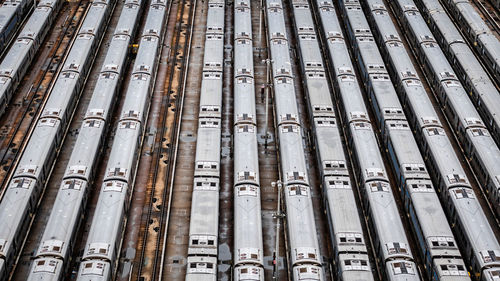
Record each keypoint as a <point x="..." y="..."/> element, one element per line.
<point x="347" y="235"/>
<point x="54" y="255"/>
<point x="104" y="240"/>
<point x="475" y="29"/>
<point x="12" y="14"/>
<point x="467" y="66"/>
<point x="204" y="222"/>
<point x="304" y="256"/>
<point x="24" y="49"/>
<point x="20" y="200"/>
<point x="478" y="243"/>
<point x="478" y="143"/>
<point x="474" y="236"/>
<point x="248" y="240"/>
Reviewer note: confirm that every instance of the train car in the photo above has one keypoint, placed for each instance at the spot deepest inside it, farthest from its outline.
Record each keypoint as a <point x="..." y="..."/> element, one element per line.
<point x="204" y="223"/>
<point x="17" y="60"/>
<point x="442" y="163"/>
<point x="477" y="32"/>
<point x="103" y="247"/>
<point x="12" y="14"/>
<point x="350" y="253"/>
<point x="201" y="269"/>
<point x="304" y="256"/>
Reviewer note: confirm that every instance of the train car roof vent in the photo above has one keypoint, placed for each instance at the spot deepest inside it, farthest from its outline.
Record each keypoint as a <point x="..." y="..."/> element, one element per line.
<point x="201" y="267"/>
<point x="334" y="34"/>
<point x="52" y="246"/>
<point x="442" y="242"/>
<point x="334" y="165"/>
<point x="456" y="178"/>
<point x="355" y="264"/>
<point x="421" y="187"/>
<point x="298" y="190"/>
<point x="72" y="184"/>
<point x="345" y="70"/>
<point x="244" y="117"/>
<point x="296" y="176"/>
<point x="45" y="265"/>
<point x="289" y="117"/>
<point x="374" y="172"/>
<point x="77" y="170"/>
<point x="248" y="272"/>
<point x="350" y="238"/>
<point x="248" y="254"/>
<point x="379" y="186"/>
<point x="117" y="172"/>
<point x="430" y="121"/>
<point x="305" y="253"/>
<point x="246" y="175"/>
<point x="435" y="132"/>
<point x="245" y="129"/>
<point x="478" y="132"/>
<point x="244" y="80"/>
<point x="111" y="67"/>
<point x="392" y="37"/>
<point x="20" y="183"/>
<point x="113" y="186"/>
<point x="108" y="75"/>
<point x="447" y="75"/>
<point x="452" y="270"/>
<point x="474" y="121"/>
<point x="397" y="248"/>
<point x="131" y="113"/>
<point x="490" y="256"/>
<point x="410" y="8"/>
<point x="98" y="248"/>
<point x="128" y="125"/>
<point x="247" y="190"/>
<point x="93" y="268"/>
<point x="403" y="267"/>
<point x="27" y="169"/>
<point x="339" y="184"/>
<point x="96" y="112"/>
<point x="92" y="124"/>
<point x="6" y="72"/>
<point x="414" y="168"/>
<point x="464" y="193"/>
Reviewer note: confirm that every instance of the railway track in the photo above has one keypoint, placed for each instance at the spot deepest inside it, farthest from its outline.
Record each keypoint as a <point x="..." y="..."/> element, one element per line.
<point x="17" y="125"/>
<point x="173" y="249"/>
<point x="152" y="253"/>
<point x="490" y="14"/>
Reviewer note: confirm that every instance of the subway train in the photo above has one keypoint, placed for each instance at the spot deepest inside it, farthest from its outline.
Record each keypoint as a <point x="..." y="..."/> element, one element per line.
<point x="55" y="251"/>
<point x="477" y="32"/>
<point x="204" y="222"/>
<point x="480" y="248"/>
<point x="474" y="78"/>
<point x="390" y="244"/>
<point x="12" y="14"/>
<point x="103" y="244"/>
<point x="479" y="146"/>
<point x="248" y="240"/>
<point x="351" y="258"/>
<point x="474" y="235"/>
<point x="304" y="257"/>
<point x="24" y="49"/>
<point x="437" y="245"/>
<point x="23" y="192"/>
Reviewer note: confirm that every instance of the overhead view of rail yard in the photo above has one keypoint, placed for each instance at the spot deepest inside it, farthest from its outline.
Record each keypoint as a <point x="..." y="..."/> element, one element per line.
<point x="250" y="140"/>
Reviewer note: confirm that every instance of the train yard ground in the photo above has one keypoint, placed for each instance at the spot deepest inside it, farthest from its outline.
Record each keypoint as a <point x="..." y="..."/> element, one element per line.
<point x="155" y="239"/>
